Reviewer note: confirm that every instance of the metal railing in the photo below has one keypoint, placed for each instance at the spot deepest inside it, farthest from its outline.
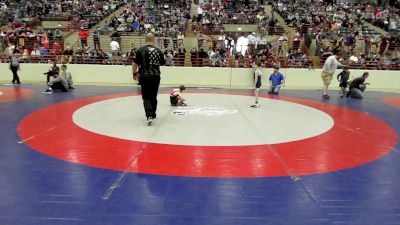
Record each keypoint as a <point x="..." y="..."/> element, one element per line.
<point x="195" y="61"/>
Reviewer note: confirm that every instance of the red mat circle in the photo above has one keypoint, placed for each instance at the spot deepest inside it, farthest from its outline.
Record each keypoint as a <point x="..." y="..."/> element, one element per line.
<point x="356" y="139"/>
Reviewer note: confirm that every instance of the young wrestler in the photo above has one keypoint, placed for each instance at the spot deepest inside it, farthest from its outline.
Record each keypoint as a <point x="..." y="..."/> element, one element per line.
<point x="176" y="98"/>
<point x="257" y="82"/>
<point x="343" y="78"/>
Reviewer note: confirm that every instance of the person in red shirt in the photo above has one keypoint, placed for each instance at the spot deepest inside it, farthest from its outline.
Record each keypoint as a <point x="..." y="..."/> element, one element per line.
<point x="44" y="40"/>
<point x="83" y="35"/>
<point x="57" y="49"/>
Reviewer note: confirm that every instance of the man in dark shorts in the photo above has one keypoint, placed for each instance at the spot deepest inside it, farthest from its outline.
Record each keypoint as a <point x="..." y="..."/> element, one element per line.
<point x="343" y="78"/>
<point x="146" y="69"/>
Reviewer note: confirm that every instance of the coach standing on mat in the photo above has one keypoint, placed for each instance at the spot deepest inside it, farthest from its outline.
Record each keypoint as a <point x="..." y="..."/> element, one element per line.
<point x="146" y="69"/>
<point x="330" y="65"/>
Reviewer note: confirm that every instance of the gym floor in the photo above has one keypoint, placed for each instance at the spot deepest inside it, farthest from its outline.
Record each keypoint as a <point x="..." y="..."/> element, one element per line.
<point x="86" y="157"/>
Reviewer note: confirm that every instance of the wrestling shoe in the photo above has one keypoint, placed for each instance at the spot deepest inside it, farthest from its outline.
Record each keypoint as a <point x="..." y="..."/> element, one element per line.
<point x="149" y="121"/>
<point x="47" y="91"/>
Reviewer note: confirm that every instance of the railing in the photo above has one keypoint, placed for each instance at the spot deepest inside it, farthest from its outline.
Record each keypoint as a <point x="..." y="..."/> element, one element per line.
<point x="57" y="18"/>
<point x="31" y="42"/>
<point x="195" y="61"/>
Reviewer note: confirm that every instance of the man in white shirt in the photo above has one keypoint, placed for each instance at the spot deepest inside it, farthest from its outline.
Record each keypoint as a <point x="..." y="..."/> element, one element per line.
<point x="114" y="45"/>
<point x="199" y="12"/>
<point x="354" y="59"/>
<point x="10" y="49"/>
<point x="392" y="27"/>
<point x="330" y="65"/>
<point x="252" y="42"/>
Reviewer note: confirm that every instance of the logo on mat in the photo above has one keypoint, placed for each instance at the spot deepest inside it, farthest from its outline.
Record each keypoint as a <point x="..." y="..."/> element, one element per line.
<point x="204" y="111"/>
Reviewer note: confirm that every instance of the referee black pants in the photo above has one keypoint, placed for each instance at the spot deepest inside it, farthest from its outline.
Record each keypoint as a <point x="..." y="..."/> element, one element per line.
<point x="149" y="84"/>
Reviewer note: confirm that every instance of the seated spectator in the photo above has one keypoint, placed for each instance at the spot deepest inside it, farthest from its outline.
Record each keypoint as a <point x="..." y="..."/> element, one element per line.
<point x="169" y="55"/>
<point x="193" y="56"/>
<point x="215" y="58"/>
<point x="43" y="51"/>
<point x="25" y="55"/>
<point x="354" y="58"/>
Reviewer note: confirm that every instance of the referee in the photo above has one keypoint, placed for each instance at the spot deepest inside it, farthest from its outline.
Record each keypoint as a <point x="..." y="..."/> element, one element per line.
<point x="146" y="69"/>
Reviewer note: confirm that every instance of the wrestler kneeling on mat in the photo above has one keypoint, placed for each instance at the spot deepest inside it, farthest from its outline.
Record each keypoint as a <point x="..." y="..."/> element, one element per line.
<point x="176" y="98"/>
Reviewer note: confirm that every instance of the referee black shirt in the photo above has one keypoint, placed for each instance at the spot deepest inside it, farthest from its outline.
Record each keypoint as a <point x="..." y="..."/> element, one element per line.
<point x="149" y="59"/>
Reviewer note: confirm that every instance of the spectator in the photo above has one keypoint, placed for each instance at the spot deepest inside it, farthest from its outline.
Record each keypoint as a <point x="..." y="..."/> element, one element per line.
<point x="83" y="35"/>
<point x="193" y="56"/>
<point x="43" y="51"/>
<point x="114" y="45"/>
<point x="10" y="49"/>
<point x="96" y="38"/>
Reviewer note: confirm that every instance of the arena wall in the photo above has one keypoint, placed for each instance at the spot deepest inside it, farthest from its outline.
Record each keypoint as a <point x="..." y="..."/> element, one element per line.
<point x="195" y="76"/>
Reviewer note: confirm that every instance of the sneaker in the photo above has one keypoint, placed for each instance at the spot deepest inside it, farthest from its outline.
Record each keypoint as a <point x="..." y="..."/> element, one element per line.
<point x="48" y="91"/>
<point x="255" y="106"/>
<point x="341" y="95"/>
<point x="149" y="121"/>
<point x="325" y="96"/>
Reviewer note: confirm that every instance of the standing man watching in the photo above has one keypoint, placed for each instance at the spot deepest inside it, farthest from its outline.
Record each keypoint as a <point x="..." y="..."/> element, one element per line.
<point x="114" y="46"/>
<point x="330" y="65"/>
<point x="83" y="35"/>
<point x="96" y="38"/>
<point x="146" y="69"/>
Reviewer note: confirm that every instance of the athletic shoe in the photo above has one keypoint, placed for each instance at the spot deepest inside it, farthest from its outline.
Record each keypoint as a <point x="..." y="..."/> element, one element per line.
<point x="341" y="95"/>
<point x="255" y="106"/>
<point x="149" y="121"/>
<point x="325" y="96"/>
<point x="48" y="91"/>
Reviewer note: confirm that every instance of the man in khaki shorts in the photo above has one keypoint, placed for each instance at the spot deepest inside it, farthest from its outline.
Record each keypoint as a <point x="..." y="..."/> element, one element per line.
<point x="330" y="65"/>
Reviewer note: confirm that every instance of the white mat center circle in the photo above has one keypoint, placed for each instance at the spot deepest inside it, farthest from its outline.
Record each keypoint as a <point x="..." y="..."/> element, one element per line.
<point x="209" y="120"/>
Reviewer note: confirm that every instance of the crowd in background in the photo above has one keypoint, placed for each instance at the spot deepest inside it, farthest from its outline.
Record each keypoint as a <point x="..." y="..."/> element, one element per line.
<point x="331" y="26"/>
<point x="344" y="26"/>
<point x="142" y="16"/>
